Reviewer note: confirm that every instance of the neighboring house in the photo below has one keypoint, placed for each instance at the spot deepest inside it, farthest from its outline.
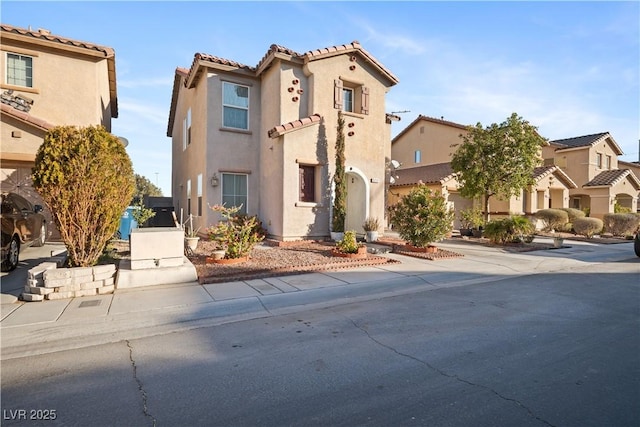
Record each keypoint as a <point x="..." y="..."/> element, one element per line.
<point x="263" y="138"/>
<point x="47" y="81"/>
<point x="592" y="162"/>
<point x="424" y="149"/>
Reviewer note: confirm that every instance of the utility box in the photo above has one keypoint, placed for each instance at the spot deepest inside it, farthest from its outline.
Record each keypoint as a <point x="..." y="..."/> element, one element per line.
<point x="156" y="247"/>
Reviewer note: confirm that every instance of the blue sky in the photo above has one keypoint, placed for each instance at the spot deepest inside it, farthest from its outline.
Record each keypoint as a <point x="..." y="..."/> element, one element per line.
<point x="570" y="68"/>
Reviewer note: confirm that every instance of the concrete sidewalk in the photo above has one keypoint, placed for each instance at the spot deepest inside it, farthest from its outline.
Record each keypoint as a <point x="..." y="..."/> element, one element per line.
<point x="42" y="327"/>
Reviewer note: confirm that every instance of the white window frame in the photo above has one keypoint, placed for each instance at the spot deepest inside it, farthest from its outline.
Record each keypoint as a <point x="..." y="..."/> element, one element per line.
<point x="599" y="160"/>
<point x="11" y="71"/>
<point x="348" y="100"/>
<point x="237" y="107"/>
<point x="188" y="197"/>
<point x="199" y="193"/>
<point x="186" y="130"/>
<point x="223" y="193"/>
<point x="417" y="156"/>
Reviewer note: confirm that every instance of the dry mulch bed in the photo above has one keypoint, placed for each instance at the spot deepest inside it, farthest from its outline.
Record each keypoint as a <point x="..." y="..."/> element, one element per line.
<point x="269" y="261"/>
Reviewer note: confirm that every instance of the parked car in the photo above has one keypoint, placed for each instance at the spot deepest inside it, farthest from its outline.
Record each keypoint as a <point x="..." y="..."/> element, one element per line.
<point x="22" y="225"/>
<point x="636" y="244"/>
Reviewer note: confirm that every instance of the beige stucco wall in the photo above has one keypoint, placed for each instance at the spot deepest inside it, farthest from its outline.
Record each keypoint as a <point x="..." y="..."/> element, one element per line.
<point x="69" y="88"/>
<point x="436" y="141"/>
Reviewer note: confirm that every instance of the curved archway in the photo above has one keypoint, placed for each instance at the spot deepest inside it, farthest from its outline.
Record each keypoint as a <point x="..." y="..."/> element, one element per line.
<point x="357" y="200"/>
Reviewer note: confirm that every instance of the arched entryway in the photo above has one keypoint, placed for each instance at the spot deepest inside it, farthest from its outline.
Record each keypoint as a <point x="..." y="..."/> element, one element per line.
<point x="357" y="200"/>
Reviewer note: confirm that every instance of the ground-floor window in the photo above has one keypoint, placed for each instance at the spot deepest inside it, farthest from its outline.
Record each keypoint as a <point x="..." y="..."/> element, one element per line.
<point x="234" y="191"/>
<point x="307" y="183"/>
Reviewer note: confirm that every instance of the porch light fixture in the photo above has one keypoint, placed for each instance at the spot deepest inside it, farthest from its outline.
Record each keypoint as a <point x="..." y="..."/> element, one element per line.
<point x="214" y="180"/>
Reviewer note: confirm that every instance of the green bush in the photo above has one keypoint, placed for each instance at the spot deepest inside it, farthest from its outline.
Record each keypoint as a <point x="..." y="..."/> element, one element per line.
<point x="621" y="224"/>
<point x="573" y="213"/>
<point x="471" y="218"/>
<point x="516" y="228"/>
<point x="587" y="226"/>
<point x="552" y="219"/>
<point x="86" y="178"/>
<point x="422" y="217"/>
<point x="236" y="234"/>
<point x="348" y="244"/>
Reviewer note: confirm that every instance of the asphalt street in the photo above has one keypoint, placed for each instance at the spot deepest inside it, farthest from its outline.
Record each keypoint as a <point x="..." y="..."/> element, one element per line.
<point x="559" y="348"/>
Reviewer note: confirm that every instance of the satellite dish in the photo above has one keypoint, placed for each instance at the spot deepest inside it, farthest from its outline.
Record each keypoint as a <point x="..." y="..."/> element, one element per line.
<point x="395" y="164"/>
<point x="124" y="140"/>
<point x="392" y="180"/>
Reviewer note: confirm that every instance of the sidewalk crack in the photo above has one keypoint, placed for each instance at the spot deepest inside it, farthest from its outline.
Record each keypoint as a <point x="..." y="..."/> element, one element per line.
<point x="141" y="389"/>
<point x="452" y="376"/>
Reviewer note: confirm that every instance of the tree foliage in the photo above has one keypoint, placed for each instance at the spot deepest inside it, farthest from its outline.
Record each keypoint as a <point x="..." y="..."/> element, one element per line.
<point x="339" y="180"/>
<point x="497" y="160"/>
<point x="422" y="217"/>
<point x="85" y="176"/>
<point x="144" y="187"/>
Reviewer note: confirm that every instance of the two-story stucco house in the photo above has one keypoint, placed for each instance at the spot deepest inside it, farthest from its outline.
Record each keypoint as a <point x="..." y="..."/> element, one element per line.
<point x="592" y="162"/>
<point x="264" y="137"/>
<point x="47" y="81"/>
<point x="424" y="149"/>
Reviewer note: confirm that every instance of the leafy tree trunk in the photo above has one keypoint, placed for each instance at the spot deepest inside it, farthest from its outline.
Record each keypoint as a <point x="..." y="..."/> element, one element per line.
<point x="339" y="180"/>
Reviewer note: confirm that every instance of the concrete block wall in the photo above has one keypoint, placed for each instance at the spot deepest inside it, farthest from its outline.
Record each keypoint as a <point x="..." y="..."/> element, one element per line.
<point x="47" y="281"/>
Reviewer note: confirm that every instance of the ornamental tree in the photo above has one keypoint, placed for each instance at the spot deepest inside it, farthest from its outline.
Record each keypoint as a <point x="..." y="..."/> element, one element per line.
<point x="339" y="180"/>
<point x="497" y="160"/>
<point x="86" y="178"/>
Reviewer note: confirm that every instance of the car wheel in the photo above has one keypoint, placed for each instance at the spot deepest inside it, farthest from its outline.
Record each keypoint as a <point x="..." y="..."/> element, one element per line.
<point x="42" y="239"/>
<point x="11" y="262"/>
<point x="636" y="244"/>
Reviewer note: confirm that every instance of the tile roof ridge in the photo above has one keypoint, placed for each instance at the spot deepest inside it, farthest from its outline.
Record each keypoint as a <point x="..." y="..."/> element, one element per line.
<point x="594" y="135"/>
<point x="278" y="130"/>
<point x="218" y="60"/>
<point x="46" y="35"/>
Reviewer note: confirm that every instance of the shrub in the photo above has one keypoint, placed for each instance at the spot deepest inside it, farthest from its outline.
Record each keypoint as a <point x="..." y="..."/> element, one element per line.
<point x="621" y="224"/>
<point x="86" y="178"/>
<point x="573" y="213"/>
<point x="236" y="234"/>
<point x="421" y="217"/>
<point x="371" y="224"/>
<point x="141" y="214"/>
<point x="587" y="226"/>
<point x="471" y="218"/>
<point x="552" y="219"/>
<point x="516" y="228"/>
<point x="348" y="244"/>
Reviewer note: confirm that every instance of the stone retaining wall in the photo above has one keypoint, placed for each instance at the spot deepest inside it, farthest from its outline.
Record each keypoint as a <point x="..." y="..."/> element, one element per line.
<point x="47" y="281"/>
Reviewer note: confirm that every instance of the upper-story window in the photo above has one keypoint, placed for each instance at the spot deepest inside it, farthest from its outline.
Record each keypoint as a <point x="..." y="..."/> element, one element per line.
<point x="608" y="162"/>
<point x="347" y="99"/>
<point x="351" y="97"/>
<point x="19" y="70"/>
<point x="186" y="130"/>
<point x="235" y="106"/>
<point x="599" y="160"/>
<point x="417" y="156"/>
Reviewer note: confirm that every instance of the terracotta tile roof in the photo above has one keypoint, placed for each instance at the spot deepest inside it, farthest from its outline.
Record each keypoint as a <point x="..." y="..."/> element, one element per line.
<point x="430" y="174"/>
<point x="544" y="171"/>
<point x="26" y="117"/>
<point x="296" y="124"/>
<point x="281" y="51"/>
<point x="612" y="177"/>
<point x="422" y="118"/>
<point x="45" y="37"/>
<point x="585" y="141"/>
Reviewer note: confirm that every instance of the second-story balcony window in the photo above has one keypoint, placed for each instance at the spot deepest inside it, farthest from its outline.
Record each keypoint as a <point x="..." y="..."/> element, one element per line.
<point x="235" y="106"/>
<point x="19" y="70"/>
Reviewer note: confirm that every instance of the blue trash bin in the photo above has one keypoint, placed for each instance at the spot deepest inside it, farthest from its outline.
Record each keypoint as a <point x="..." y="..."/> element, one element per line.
<point x="127" y="223"/>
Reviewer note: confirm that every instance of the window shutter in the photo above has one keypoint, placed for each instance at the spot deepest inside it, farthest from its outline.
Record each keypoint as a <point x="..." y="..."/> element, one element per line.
<point x="364" y="102"/>
<point x="337" y="94"/>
